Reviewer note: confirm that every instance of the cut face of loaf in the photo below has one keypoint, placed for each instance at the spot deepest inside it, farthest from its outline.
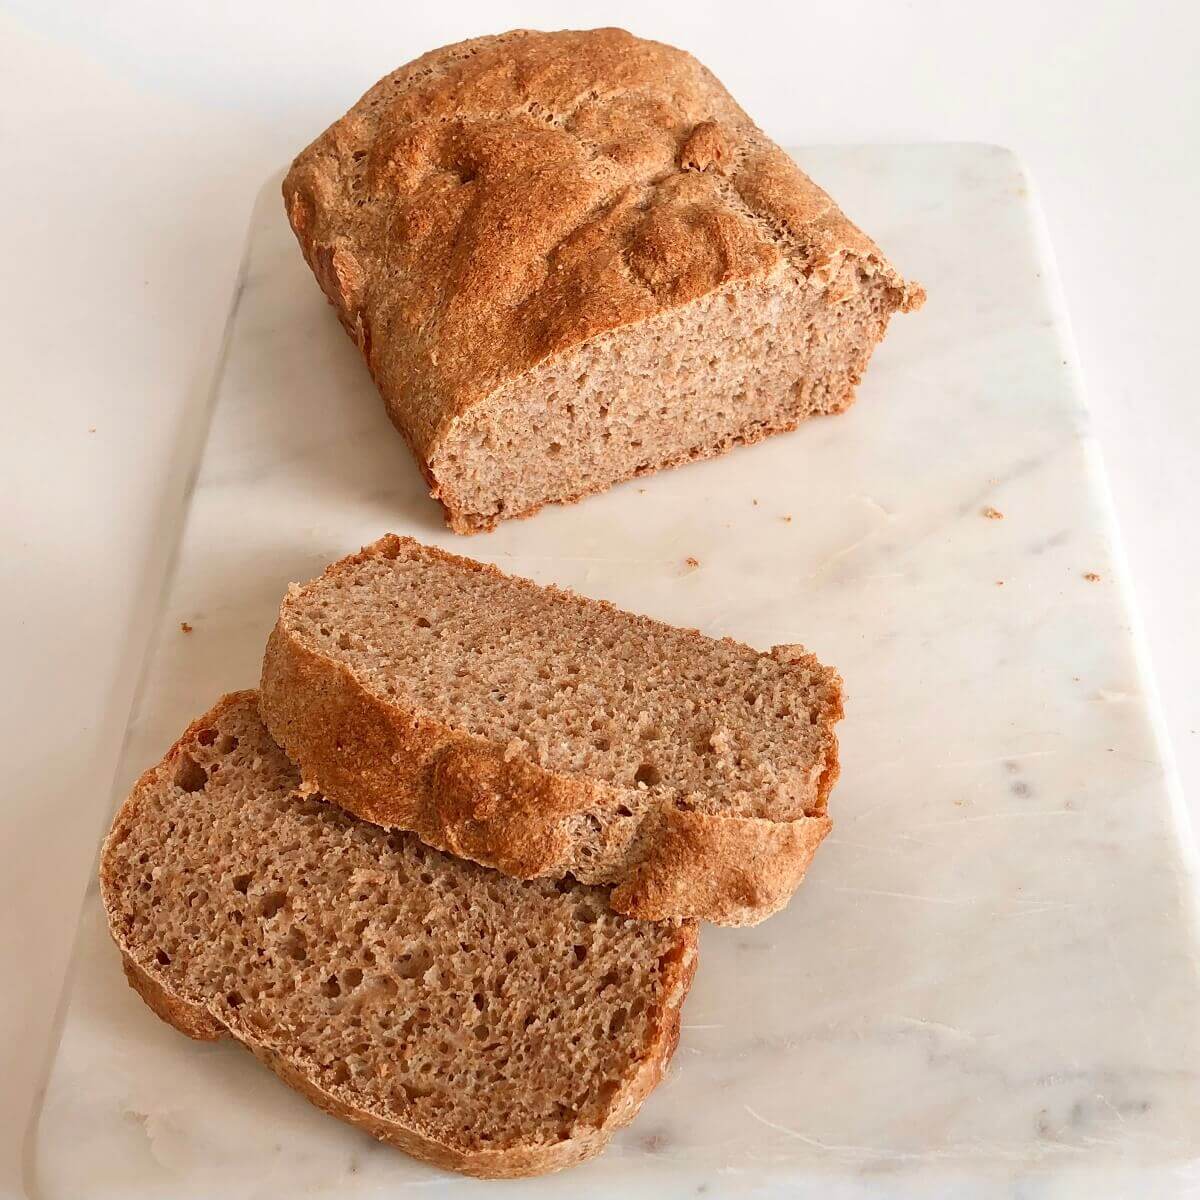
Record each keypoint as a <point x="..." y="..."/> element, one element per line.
<point x="570" y="258"/>
<point x="488" y="1026"/>
<point x="729" y="369"/>
<point x="546" y="734"/>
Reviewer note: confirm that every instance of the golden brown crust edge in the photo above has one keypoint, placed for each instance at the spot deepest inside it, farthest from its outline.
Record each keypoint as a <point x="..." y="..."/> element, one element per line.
<point x="196" y="1021"/>
<point x="459" y="793"/>
<point x="730" y="870"/>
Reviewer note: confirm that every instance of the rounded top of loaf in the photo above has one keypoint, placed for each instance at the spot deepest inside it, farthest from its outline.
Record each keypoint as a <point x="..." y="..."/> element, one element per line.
<point x="496" y="202"/>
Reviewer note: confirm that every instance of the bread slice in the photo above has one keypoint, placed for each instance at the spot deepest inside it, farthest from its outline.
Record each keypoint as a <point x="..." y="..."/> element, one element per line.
<point x="489" y="1026"/>
<point x="571" y="258"/>
<point x="545" y="734"/>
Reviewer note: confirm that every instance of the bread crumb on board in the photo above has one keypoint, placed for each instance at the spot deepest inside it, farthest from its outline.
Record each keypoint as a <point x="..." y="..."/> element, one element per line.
<point x="787" y="519"/>
<point x="993" y="514"/>
<point x="692" y="561"/>
<point x="999" y="582"/>
<point x="1091" y="576"/>
<point x="185" y="627"/>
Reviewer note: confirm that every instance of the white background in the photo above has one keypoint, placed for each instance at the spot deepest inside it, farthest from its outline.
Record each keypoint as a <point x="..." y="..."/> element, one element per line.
<point x="134" y="137"/>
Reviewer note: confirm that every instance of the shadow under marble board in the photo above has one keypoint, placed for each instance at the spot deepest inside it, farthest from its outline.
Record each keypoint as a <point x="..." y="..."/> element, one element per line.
<point x="988" y="984"/>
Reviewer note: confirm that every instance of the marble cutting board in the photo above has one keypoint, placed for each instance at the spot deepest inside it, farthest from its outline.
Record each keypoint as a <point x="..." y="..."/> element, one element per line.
<point x="988" y="985"/>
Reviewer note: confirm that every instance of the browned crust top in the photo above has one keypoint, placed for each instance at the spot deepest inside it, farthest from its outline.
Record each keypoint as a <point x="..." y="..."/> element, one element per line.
<point x="501" y="200"/>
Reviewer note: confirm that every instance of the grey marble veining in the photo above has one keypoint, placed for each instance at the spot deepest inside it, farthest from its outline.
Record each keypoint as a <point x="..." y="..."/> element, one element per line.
<point x="988" y="985"/>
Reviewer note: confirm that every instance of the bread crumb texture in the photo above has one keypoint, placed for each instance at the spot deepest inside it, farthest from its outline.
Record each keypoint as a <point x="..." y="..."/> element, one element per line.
<point x="490" y="1025"/>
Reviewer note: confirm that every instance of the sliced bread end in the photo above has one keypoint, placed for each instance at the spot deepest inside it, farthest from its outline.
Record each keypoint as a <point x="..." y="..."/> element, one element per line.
<point x="544" y="734"/>
<point x="487" y="1026"/>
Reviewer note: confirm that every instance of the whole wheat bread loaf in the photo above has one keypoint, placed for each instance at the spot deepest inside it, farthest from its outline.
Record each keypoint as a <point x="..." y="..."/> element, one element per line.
<point x="493" y="1027"/>
<point x="543" y="733"/>
<point x="571" y="258"/>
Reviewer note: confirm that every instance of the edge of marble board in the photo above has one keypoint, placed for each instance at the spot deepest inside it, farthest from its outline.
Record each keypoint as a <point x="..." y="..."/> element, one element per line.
<point x="1101" y="487"/>
<point x="187" y="460"/>
<point x="140" y="638"/>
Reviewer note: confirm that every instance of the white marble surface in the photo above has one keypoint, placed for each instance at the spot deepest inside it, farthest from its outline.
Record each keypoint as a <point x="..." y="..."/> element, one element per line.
<point x="989" y="981"/>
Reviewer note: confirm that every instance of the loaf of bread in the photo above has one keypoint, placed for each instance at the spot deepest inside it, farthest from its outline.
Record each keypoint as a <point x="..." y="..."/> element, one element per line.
<point x="545" y="734"/>
<point x="489" y="1026"/>
<point x="571" y="258"/>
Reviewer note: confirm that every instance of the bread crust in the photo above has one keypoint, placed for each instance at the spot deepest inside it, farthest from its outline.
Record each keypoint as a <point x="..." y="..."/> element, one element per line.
<point x="404" y="769"/>
<point x="203" y="1021"/>
<point x="501" y="201"/>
